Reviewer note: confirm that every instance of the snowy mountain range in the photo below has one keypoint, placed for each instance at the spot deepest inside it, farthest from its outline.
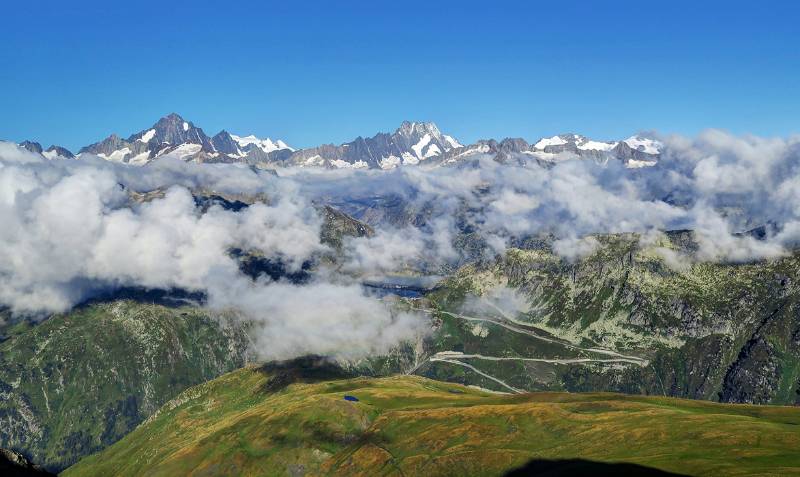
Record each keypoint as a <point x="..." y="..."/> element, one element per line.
<point x="173" y="136"/>
<point x="412" y="144"/>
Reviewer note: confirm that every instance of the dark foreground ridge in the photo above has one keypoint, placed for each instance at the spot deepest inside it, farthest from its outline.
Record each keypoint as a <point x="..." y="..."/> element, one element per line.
<point x="586" y="468"/>
<point x="14" y="464"/>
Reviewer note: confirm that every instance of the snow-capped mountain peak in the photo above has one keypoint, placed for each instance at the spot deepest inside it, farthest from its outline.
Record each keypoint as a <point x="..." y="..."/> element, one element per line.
<point x="570" y="142"/>
<point x="425" y="133"/>
<point x="169" y="136"/>
<point x="266" y="145"/>
<point x="644" y="144"/>
<point x="412" y="143"/>
<point x="549" y="141"/>
<point x="413" y="128"/>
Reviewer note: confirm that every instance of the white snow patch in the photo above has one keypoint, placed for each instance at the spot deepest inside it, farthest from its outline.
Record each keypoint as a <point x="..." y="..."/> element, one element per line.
<point x="185" y="150"/>
<point x="163" y="149"/>
<point x="146" y="137"/>
<point x="544" y="156"/>
<point x="315" y="160"/>
<point x="266" y="145"/>
<point x="433" y="150"/>
<point x="116" y="156"/>
<point x="140" y="159"/>
<point x="549" y="141"/>
<point x="646" y="145"/>
<point x="451" y="140"/>
<point x="482" y="149"/>
<point x="283" y="145"/>
<point x="635" y="164"/>
<point x="589" y="145"/>
<point x="185" y="126"/>
<point x="409" y="158"/>
<point x="340" y="164"/>
<point x="420" y="145"/>
<point x="389" y="162"/>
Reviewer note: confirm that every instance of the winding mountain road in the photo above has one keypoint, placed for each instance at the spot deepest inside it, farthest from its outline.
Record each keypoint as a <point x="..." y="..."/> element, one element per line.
<point x="512" y="325"/>
<point x="457" y="358"/>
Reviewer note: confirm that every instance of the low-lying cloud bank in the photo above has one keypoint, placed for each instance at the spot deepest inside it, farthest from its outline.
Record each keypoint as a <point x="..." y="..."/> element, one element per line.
<point x="716" y="184"/>
<point x="70" y="229"/>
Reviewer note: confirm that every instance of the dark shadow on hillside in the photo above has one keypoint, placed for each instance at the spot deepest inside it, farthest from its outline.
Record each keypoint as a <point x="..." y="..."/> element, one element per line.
<point x="14" y="464"/>
<point x="172" y="298"/>
<point x="586" y="468"/>
<point x="307" y="369"/>
<point x="255" y="266"/>
<point x="252" y="266"/>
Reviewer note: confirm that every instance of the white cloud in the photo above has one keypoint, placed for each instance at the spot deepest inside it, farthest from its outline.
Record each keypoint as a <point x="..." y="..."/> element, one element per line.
<point x="70" y="228"/>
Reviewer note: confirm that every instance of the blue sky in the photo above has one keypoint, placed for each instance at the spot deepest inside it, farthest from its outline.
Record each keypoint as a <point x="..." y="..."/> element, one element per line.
<point x="323" y="71"/>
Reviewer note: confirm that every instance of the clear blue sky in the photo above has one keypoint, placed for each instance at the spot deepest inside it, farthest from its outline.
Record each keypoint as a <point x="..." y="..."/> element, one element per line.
<point x="327" y="71"/>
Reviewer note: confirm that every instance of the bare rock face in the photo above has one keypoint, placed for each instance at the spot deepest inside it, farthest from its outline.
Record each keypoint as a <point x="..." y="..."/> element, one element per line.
<point x="337" y="225"/>
<point x="13" y="464"/>
<point x="410" y="144"/>
<point x="413" y="143"/>
<point x="170" y="134"/>
<point x="179" y="138"/>
<point x="753" y="377"/>
<point x="58" y="151"/>
<point x="31" y="146"/>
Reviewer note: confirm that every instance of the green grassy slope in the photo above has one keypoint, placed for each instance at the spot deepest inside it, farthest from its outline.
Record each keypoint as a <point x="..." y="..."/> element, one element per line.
<point x="711" y="331"/>
<point x="241" y="424"/>
<point x="79" y="381"/>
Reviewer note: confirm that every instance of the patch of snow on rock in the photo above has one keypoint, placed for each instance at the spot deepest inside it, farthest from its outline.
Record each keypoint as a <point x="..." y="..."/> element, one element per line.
<point x="646" y="145"/>
<point x="549" y="141"/>
<point x="389" y="162"/>
<point x="590" y="145"/>
<point x="146" y="137"/>
<point x="418" y="147"/>
<point x="116" y="156"/>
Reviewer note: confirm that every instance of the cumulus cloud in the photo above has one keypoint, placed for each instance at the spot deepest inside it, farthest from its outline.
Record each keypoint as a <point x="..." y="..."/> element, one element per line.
<point x="71" y="229"/>
<point x="717" y="184"/>
<point x="500" y="300"/>
<point x="320" y="318"/>
<point x="575" y="248"/>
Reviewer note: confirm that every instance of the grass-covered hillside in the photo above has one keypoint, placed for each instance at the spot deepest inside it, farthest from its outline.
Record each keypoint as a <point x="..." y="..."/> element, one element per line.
<point x="627" y="317"/>
<point x="278" y="422"/>
<point x="622" y="319"/>
<point x="77" y="382"/>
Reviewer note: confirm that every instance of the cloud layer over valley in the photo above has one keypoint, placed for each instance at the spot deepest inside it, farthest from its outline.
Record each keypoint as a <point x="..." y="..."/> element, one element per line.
<point x="72" y="229"/>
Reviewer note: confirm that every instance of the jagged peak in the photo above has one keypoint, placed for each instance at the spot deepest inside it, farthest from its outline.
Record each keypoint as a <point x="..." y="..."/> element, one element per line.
<point x="265" y="144"/>
<point x="172" y="117"/>
<point x="32" y="146"/>
<point x="575" y="140"/>
<point x="644" y="143"/>
<point x="408" y="128"/>
<point x="172" y="120"/>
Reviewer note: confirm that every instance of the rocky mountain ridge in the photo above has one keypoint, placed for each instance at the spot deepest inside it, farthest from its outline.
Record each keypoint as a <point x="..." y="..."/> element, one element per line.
<point x="176" y="137"/>
<point x="411" y="144"/>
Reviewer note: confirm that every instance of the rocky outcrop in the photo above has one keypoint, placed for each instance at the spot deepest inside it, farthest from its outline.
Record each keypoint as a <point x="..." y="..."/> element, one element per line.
<point x="14" y="464"/>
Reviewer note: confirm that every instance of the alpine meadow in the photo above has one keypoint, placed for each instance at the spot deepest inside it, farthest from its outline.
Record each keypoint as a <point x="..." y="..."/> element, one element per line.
<point x="589" y="264"/>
